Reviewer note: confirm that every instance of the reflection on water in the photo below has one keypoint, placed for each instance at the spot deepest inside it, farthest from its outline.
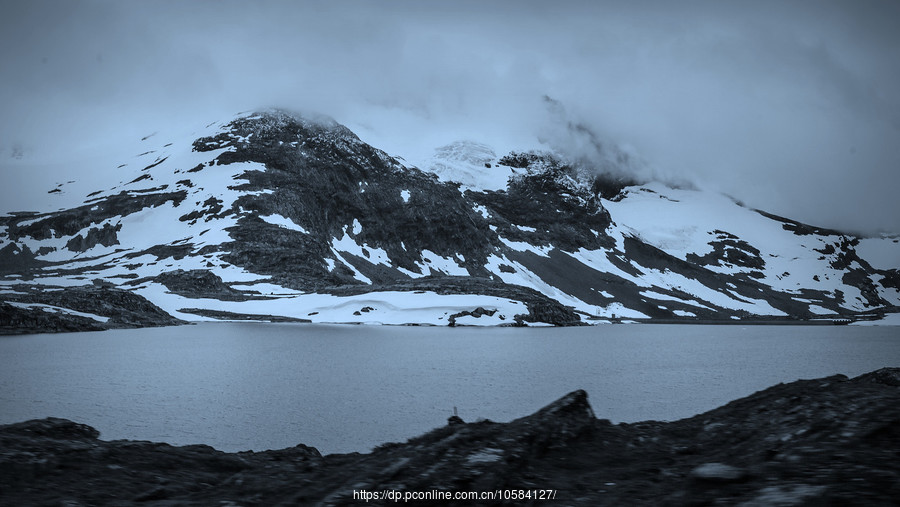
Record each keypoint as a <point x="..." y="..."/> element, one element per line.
<point x="239" y="386"/>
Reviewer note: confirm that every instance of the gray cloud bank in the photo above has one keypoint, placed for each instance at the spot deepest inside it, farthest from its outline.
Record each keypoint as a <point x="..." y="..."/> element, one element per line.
<point x="793" y="107"/>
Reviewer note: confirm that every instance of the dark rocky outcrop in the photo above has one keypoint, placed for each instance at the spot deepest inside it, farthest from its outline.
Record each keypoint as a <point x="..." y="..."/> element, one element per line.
<point x="19" y="320"/>
<point x="728" y="249"/>
<point x="71" y="221"/>
<point x="42" y="309"/>
<point x="546" y="199"/>
<point x="105" y="236"/>
<point x="199" y="283"/>
<point x="829" y="441"/>
<point x="18" y="260"/>
<point x="477" y="313"/>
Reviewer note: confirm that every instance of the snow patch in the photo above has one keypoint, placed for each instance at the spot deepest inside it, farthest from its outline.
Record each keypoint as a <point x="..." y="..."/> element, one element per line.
<point x="466" y="163"/>
<point x="881" y="253"/>
<point x="521" y="246"/>
<point x="445" y="265"/>
<point x="818" y="310"/>
<point x="284" y="222"/>
<point x="620" y="311"/>
<point x="388" y="307"/>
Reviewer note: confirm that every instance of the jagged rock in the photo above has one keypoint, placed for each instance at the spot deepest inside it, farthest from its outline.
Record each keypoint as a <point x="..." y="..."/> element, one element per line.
<point x="886" y="376"/>
<point x="17" y="320"/>
<point x="52" y="427"/>
<point x="199" y="283"/>
<point x="40" y="310"/>
<point x="105" y="236"/>
<point x="829" y="441"/>
<point x="16" y="259"/>
<point x="478" y="312"/>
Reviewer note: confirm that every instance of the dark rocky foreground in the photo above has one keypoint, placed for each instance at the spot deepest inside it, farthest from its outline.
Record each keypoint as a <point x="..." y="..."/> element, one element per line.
<point x="829" y="441"/>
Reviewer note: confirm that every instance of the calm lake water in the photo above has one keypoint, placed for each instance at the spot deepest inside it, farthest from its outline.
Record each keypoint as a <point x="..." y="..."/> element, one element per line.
<point x="239" y="386"/>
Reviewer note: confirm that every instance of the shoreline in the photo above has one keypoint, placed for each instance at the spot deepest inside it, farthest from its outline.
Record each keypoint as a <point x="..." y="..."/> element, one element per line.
<point x="12" y="331"/>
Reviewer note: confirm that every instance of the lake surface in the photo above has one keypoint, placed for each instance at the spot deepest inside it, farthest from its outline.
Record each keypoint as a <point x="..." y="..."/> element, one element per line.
<point x="239" y="386"/>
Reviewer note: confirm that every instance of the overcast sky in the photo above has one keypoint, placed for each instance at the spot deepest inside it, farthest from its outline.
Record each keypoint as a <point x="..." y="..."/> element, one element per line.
<point x="790" y="106"/>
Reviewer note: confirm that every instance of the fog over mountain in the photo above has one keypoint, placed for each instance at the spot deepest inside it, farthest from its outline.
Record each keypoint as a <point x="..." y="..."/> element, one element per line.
<point x="789" y="107"/>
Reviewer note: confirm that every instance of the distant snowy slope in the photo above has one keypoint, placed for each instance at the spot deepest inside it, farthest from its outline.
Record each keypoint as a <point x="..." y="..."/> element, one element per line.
<point x="472" y="164"/>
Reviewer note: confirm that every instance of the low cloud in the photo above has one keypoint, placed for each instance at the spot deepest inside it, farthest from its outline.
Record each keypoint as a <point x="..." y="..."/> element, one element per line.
<point x="791" y="107"/>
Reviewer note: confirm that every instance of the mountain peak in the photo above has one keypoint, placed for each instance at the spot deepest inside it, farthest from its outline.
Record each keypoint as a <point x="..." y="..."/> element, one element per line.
<point x="277" y="125"/>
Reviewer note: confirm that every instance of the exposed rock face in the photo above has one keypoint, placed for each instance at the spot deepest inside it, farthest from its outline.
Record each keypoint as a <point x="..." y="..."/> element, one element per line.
<point x="87" y="308"/>
<point x="198" y="283"/>
<point x="105" y="236"/>
<point x="546" y="206"/>
<point x="18" y="320"/>
<point x="829" y="441"/>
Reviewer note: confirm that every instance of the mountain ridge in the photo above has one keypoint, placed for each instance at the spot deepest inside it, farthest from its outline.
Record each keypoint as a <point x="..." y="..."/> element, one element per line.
<point x="296" y="217"/>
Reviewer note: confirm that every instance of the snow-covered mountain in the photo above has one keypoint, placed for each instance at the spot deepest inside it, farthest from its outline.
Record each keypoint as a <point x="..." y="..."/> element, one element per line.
<point x="279" y="216"/>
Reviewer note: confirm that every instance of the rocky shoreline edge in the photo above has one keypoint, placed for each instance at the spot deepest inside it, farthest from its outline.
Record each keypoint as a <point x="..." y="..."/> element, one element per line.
<point x="31" y="309"/>
<point x="827" y="441"/>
